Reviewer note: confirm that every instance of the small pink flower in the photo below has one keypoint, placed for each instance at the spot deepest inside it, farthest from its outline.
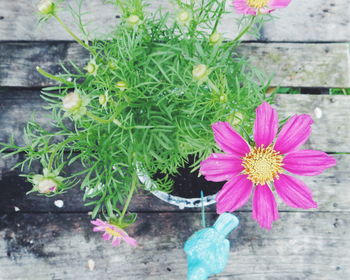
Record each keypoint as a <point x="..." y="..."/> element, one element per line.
<point x="244" y="167"/>
<point x="113" y="232"/>
<point x="253" y="7"/>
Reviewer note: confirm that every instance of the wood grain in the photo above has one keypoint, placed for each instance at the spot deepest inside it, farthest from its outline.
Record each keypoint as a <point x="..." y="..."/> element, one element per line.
<point x="330" y="190"/>
<point x="313" y="20"/>
<point x="330" y="113"/>
<point x="294" y="65"/>
<point x="300" y="246"/>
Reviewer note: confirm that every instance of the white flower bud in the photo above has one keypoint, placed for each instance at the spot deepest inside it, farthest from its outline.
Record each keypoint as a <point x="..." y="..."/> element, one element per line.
<point x="46" y="7"/>
<point x="72" y="101"/>
<point x="122" y="85"/>
<point x="47" y="186"/>
<point x="200" y="72"/>
<point x="184" y="17"/>
<point x="133" y="20"/>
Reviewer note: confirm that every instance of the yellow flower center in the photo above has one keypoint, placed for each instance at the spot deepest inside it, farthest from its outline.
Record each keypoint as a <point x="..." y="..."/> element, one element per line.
<point x="257" y="4"/>
<point x="262" y="165"/>
<point x="113" y="232"/>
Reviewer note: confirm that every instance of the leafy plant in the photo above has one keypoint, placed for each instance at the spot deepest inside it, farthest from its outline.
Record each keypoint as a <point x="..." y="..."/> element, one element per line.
<point x="144" y="102"/>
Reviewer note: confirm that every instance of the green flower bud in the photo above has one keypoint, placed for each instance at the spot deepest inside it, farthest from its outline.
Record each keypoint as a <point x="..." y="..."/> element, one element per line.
<point x="215" y="38"/>
<point x="46" y="7"/>
<point x="103" y="99"/>
<point x="235" y="118"/>
<point x="122" y="85"/>
<point x="184" y="17"/>
<point x="91" y="67"/>
<point x="133" y="20"/>
<point x="200" y="72"/>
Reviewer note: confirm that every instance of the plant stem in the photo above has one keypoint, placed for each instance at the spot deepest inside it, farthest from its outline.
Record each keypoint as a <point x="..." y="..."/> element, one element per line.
<point x="240" y="35"/>
<point x="98" y="119"/>
<point x="65" y="27"/>
<point x="245" y="30"/>
<point x="133" y="187"/>
<point x="59" y="146"/>
<point x="52" y="77"/>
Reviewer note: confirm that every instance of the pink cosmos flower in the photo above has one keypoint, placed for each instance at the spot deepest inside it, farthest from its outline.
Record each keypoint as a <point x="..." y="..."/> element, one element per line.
<point x="113" y="232"/>
<point x="255" y="168"/>
<point x="253" y="7"/>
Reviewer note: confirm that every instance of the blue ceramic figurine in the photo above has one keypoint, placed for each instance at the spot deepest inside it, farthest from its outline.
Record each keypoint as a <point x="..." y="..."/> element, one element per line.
<point x="207" y="250"/>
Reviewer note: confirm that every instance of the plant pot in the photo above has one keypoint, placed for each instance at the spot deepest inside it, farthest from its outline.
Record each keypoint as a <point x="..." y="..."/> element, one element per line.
<point x="187" y="189"/>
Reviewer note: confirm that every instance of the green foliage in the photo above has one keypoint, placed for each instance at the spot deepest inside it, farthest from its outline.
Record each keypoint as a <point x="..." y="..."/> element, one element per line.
<point x="159" y="119"/>
<point x="340" y="91"/>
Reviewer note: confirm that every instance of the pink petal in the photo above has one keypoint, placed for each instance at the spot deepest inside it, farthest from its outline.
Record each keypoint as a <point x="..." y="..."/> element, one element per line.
<point x="98" y="222"/>
<point x="294" y="133"/>
<point x="221" y="167"/>
<point x="294" y="192"/>
<point x="229" y="140"/>
<point x="266" y="125"/>
<point x="234" y="194"/>
<point x="264" y="206"/>
<point x="116" y="241"/>
<point x="130" y="241"/>
<point x="106" y="236"/>
<point x="279" y="4"/>
<point x="98" y="228"/>
<point x="307" y="162"/>
<point x="242" y="7"/>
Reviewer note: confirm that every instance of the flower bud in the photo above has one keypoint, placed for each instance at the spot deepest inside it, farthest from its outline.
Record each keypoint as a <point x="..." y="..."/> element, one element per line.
<point x="91" y="68"/>
<point x="223" y="98"/>
<point x="133" y="20"/>
<point x="103" y="99"/>
<point x="200" y="72"/>
<point x="215" y="38"/>
<point x="112" y="65"/>
<point x="122" y="85"/>
<point x="235" y="118"/>
<point x="72" y="101"/>
<point x="47" y="186"/>
<point x="184" y="17"/>
<point x="46" y="7"/>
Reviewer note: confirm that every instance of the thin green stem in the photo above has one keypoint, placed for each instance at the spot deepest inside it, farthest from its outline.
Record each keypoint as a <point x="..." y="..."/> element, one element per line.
<point x="58" y="147"/>
<point x="98" y="119"/>
<point x="241" y="34"/>
<point x="65" y="27"/>
<point x="132" y="190"/>
<point x="213" y="86"/>
<point x="53" y="77"/>
<point x="245" y="30"/>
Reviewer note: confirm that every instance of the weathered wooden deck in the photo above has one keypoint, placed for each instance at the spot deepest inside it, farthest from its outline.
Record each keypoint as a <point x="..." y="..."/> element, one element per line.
<point x="305" y="47"/>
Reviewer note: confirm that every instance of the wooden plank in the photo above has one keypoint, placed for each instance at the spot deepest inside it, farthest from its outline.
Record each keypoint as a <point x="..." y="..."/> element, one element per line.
<point x="330" y="113"/>
<point x="313" y="20"/>
<point x="302" y="65"/>
<point x="294" y="65"/>
<point x="328" y="189"/>
<point x="309" y="246"/>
